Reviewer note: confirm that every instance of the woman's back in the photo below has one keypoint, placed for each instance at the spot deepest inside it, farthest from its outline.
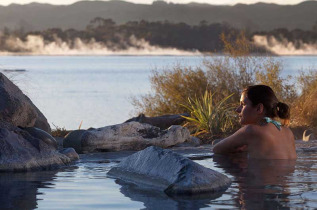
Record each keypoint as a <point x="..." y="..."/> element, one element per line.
<point x="271" y="143"/>
<point x="261" y="135"/>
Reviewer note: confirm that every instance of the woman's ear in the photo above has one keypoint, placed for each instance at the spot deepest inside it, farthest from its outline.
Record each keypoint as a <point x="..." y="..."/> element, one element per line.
<point x="260" y="108"/>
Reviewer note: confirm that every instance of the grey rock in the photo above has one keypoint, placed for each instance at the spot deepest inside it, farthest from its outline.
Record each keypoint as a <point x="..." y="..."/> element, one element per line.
<point x="21" y="151"/>
<point x="125" y="136"/>
<point x="74" y="140"/>
<point x="70" y="152"/>
<point x="167" y="171"/>
<point x="40" y="134"/>
<point x="17" y="109"/>
<point x="194" y="141"/>
<point x="191" y="142"/>
<point x="163" y="122"/>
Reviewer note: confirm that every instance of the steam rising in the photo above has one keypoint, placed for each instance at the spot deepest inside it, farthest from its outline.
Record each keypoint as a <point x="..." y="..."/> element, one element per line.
<point x="36" y="45"/>
<point x="285" y="47"/>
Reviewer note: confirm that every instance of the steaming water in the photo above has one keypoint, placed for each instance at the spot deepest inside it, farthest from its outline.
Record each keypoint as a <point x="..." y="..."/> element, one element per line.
<point x="98" y="89"/>
<point x="284" y="47"/>
<point x="85" y="185"/>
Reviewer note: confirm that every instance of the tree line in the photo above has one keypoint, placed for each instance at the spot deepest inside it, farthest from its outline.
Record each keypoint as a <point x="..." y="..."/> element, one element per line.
<point x="203" y="37"/>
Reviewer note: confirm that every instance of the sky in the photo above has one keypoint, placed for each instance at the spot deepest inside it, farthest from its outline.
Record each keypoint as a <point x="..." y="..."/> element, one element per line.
<point x="216" y="2"/>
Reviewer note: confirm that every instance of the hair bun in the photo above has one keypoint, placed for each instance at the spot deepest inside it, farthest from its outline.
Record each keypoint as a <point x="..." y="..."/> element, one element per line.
<point x="283" y="110"/>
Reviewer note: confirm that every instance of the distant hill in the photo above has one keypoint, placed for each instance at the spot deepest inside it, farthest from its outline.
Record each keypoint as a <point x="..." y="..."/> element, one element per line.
<point x="253" y="17"/>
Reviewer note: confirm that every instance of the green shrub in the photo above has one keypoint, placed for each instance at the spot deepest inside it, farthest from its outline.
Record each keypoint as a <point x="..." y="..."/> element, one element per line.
<point x="209" y="116"/>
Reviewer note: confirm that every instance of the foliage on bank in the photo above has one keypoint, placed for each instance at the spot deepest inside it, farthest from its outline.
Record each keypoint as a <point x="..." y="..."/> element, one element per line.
<point x="181" y="89"/>
<point x="209" y="116"/>
<point x="305" y="106"/>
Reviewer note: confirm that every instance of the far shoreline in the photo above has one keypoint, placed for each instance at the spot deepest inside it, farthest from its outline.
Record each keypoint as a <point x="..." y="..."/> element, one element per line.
<point x="150" y="55"/>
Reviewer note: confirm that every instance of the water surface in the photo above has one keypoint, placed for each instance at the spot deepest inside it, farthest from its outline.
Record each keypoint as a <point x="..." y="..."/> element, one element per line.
<point x="85" y="185"/>
<point x="98" y="89"/>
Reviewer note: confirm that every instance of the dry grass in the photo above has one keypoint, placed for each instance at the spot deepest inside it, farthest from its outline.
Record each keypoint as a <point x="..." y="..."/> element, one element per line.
<point x="226" y="75"/>
<point x="304" y="108"/>
<point x="171" y="88"/>
<point x="59" y="131"/>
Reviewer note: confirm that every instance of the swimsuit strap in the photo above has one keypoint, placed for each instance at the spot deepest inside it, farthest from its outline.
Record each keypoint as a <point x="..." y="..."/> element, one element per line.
<point x="269" y="120"/>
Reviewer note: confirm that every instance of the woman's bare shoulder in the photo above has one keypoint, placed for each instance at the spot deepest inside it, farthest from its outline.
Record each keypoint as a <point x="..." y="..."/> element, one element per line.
<point x="288" y="132"/>
<point x="250" y="130"/>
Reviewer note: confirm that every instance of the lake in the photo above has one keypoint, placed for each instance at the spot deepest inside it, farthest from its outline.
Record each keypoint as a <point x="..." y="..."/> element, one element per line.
<point x="97" y="90"/>
<point x="85" y="185"/>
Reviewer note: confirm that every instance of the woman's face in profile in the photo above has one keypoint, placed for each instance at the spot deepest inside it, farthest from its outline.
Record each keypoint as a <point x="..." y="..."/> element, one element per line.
<point x="247" y="112"/>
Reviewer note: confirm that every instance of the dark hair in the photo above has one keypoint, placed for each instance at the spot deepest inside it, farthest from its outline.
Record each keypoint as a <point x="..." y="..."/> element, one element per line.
<point x="265" y="95"/>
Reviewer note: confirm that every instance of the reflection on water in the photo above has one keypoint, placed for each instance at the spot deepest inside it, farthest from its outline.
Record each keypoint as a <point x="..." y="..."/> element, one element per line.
<point x="159" y="200"/>
<point x="271" y="184"/>
<point x="275" y="184"/>
<point x="262" y="184"/>
<point x="20" y="190"/>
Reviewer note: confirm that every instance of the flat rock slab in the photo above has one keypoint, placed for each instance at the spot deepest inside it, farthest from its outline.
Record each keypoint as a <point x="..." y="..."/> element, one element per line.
<point x="163" y="122"/>
<point x="21" y="151"/>
<point x="170" y="172"/>
<point x="125" y="136"/>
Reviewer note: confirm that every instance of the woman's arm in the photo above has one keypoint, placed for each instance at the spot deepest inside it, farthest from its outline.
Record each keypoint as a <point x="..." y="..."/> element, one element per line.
<point x="240" y="139"/>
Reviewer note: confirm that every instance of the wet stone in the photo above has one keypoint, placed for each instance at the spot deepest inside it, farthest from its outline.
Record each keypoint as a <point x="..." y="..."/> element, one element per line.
<point x="170" y="172"/>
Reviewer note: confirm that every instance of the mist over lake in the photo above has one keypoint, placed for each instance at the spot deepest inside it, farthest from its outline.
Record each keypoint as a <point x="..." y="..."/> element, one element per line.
<point x="98" y="89"/>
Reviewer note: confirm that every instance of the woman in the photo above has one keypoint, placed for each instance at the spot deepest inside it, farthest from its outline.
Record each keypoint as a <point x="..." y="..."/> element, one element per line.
<point x="261" y="136"/>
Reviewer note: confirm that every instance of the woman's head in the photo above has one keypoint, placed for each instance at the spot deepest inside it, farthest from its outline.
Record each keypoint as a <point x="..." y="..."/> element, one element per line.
<point x="260" y="101"/>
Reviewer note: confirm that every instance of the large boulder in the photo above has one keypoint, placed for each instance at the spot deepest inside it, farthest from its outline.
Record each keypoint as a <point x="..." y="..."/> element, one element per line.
<point x="17" y="109"/>
<point x="125" y="136"/>
<point x="168" y="171"/>
<point x="24" y="151"/>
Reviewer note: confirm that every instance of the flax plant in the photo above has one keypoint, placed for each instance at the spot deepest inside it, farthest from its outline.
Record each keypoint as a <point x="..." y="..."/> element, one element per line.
<point x="209" y="116"/>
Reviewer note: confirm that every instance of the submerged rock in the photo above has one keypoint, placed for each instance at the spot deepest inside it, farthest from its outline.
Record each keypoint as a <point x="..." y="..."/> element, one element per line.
<point x="125" y="136"/>
<point x="17" y="109"/>
<point x="165" y="170"/>
<point x="22" y="151"/>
